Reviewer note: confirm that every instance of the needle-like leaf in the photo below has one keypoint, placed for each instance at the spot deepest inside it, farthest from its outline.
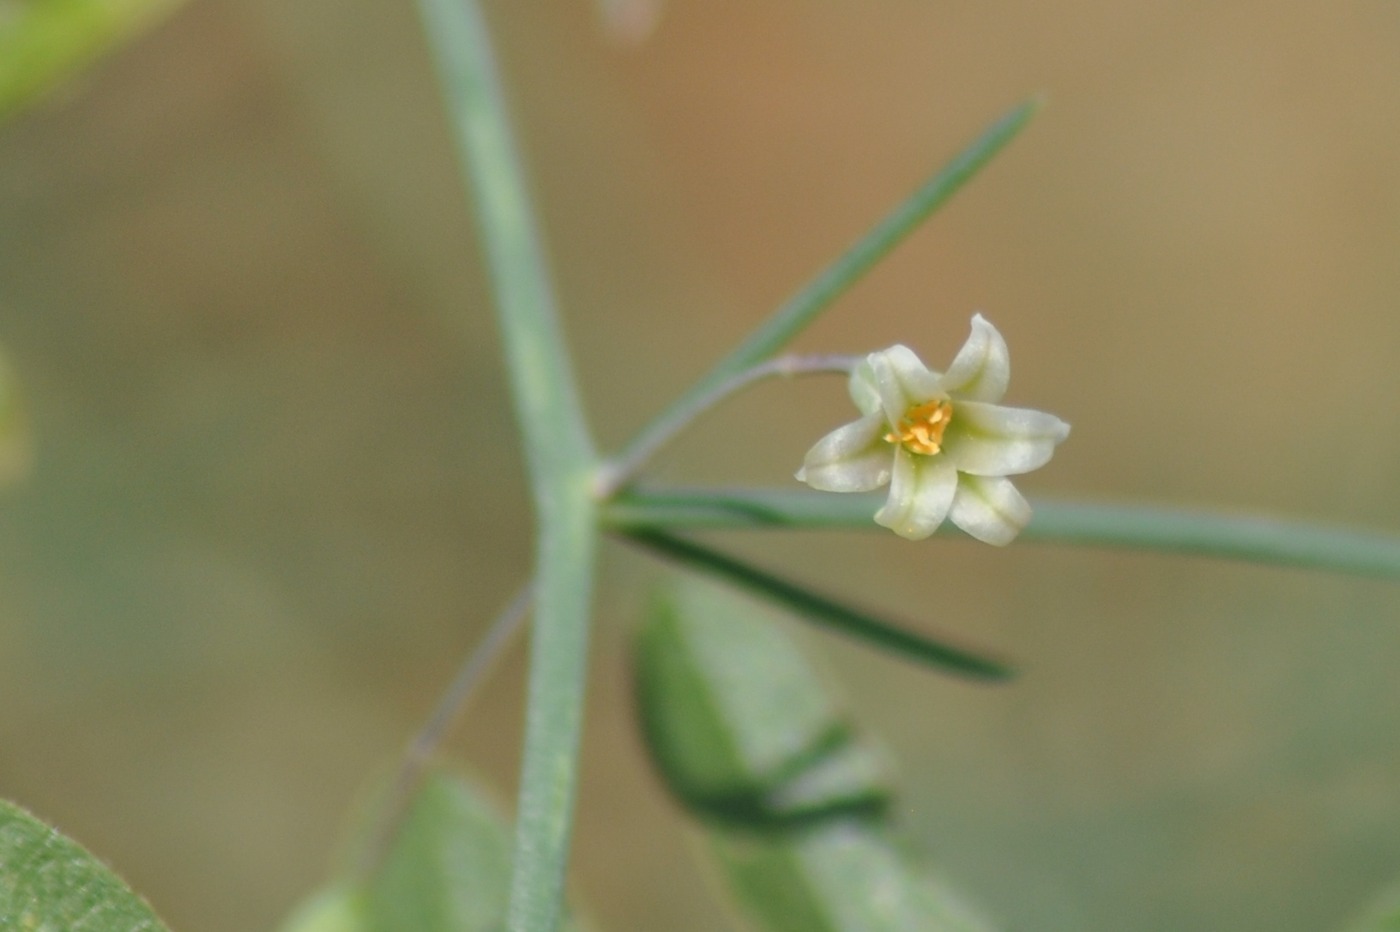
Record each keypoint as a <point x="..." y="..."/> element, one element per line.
<point x="935" y="651"/>
<point x="833" y="281"/>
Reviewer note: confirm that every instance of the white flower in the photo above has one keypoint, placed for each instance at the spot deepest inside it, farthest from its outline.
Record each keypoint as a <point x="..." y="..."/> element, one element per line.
<point x="941" y="442"/>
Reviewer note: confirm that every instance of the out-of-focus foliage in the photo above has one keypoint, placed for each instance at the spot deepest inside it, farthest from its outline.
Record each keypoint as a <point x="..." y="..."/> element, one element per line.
<point x="735" y="719"/>
<point x="44" y="41"/>
<point x="48" y="883"/>
<point x="333" y="909"/>
<point x="841" y="876"/>
<point x="447" y="869"/>
<point x="1383" y="915"/>
<point x="748" y="738"/>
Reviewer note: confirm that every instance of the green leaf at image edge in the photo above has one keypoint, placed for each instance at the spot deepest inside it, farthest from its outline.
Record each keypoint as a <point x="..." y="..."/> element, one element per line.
<point x="49" y="883"/>
<point x="42" y="42"/>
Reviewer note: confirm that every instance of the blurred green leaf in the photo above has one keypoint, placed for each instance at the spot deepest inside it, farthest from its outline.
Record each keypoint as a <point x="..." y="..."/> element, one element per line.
<point x="48" y="883"/>
<point x="44" y="41"/>
<point x="747" y="737"/>
<point x="840" y="876"/>
<point x="448" y="869"/>
<point x="736" y="719"/>
<point x="1383" y="915"/>
<point x="335" y="909"/>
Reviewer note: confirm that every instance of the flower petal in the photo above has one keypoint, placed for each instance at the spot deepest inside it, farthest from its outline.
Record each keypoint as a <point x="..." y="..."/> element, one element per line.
<point x="902" y="381"/>
<point x="992" y="440"/>
<point x="864" y="392"/>
<point x="990" y="509"/>
<point x="921" y="492"/>
<point x="982" y="369"/>
<point x="853" y="458"/>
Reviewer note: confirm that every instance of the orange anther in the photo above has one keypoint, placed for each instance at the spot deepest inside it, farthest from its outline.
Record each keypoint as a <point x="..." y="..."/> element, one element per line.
<point x="921" y="429"/>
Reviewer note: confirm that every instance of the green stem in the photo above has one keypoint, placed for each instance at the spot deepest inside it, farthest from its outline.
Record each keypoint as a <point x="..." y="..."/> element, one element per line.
<point x="804" y="307"/>
<point x="1199" y="532"/>
<point x="558" y="451"/>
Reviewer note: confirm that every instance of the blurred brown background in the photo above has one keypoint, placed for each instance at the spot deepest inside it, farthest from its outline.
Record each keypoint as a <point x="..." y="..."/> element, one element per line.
<point x="278" y="492"/>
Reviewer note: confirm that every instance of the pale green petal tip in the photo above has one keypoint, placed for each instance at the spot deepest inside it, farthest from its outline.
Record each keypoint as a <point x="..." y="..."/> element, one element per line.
<point x="990" y="509"/>
<point x="981" y="370"/>
<point x="903" y="380"/>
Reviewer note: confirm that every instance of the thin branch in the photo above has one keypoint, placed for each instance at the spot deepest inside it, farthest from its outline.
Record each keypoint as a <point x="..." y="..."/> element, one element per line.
<point x="619" y="473"/>
<point x="419" y="751"/>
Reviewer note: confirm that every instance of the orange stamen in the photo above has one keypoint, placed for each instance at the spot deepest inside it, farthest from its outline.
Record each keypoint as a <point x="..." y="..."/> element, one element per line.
<point x="921" y="429"/>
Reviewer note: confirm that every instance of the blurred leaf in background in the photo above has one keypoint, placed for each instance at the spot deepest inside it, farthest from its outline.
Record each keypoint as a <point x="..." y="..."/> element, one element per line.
<point x="794" y="799"/>
<point x="334" y="909"/>
<point x="447" y="869"/>
<point x="1382" y="914"/>
<point x="44" y="41"/>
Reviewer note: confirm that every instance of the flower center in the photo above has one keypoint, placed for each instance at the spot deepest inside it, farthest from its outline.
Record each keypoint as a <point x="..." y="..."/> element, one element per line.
<point x="921" y="429"/>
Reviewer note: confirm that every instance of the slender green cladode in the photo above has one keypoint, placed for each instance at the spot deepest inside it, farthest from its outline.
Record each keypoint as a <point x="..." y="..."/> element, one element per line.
<point x="558" y="450"/>
<point x="804" y="306"/>
<point x="822" y="609"/>
<point x="1142" y="527"/>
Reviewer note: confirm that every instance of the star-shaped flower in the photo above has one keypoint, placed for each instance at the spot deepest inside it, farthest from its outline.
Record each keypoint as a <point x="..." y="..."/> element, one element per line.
<point x="940" y="441"/>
